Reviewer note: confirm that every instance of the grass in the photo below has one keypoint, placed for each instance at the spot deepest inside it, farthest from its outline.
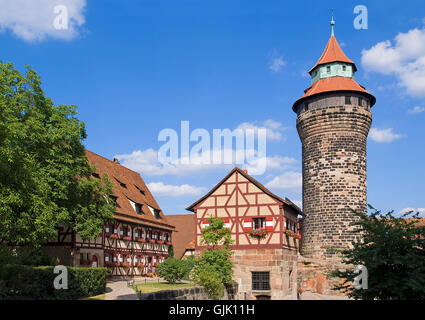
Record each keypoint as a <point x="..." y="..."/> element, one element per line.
<point x="158" y="286"/>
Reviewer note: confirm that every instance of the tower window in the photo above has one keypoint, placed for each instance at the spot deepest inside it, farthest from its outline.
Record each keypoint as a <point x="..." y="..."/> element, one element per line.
<point x="344" y="68"/>
<point x="260" y="281"/>
<point x="306" y="107"/>
<point x="360" y="101"/>
<point x="347" y="100"/>
<point x="328" y="69"/>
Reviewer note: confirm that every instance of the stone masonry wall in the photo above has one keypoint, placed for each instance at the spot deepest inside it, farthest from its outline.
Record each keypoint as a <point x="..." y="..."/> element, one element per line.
<point x="194" y="293"/>
<point x="334" y="175"/>
<point x="281" y="263"/>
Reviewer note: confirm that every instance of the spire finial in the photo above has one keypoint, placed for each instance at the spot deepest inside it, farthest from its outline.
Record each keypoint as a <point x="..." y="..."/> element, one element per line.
<point x="332" y="23"/>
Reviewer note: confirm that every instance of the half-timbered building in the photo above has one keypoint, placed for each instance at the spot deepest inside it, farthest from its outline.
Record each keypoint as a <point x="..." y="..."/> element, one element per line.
<point x="135" y="243"/>
<point x="264" y="229"/>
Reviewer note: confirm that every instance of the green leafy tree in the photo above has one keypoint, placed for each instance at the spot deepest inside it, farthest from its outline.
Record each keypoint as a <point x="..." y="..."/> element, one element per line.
<point x="393" y="251"/>
<point x="44" y="173"/>
<point x="215" y="259"/>
<point x="171" y="251"/>
<point x="172" y="270"/>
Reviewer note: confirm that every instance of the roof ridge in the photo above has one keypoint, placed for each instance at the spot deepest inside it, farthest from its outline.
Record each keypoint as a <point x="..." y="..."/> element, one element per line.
<point x="96" y="154"/>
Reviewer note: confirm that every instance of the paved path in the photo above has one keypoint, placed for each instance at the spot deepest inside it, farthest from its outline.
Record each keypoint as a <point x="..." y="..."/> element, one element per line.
<point x="118" y="290"/>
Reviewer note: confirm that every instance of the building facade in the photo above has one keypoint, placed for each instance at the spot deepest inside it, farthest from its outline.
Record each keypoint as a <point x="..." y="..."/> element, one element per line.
<point x="264" y="231"/>
<point x="135" y="243"/>
<point x="333" y="121"/>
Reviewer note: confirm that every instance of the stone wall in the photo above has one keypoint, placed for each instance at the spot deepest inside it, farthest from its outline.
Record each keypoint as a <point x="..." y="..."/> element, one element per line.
<point x="280" y="263"/>
<point x="194" y="293"/>
<point x="334" y="176"/>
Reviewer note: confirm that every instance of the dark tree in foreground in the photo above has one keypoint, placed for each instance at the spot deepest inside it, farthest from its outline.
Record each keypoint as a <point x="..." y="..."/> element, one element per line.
<point x="44" y="173"/>
<point x="393" y="251"/>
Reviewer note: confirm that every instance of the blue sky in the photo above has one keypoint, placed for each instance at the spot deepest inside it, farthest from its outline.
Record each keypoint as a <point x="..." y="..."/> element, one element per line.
<point x="134" y="68"/>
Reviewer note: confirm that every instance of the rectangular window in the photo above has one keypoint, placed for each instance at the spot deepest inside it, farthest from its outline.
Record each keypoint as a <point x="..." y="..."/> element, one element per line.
<point x="306" y="107"/>
<point x="360" y="101"/>
<point x="344" y="68"/>
<point x="328" y="69"/>
<point x="156" y="214"/>
<point x="347" y="100"/>
<point x="258" y="223"/>
<point x="138" y="207"/>
<point x="260" y="281"/>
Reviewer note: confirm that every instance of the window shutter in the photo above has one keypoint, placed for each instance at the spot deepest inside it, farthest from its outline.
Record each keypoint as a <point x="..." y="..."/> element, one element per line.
<point x="247" y="224"/>
<point x="204" y="224"/>
<point x="226" y="222"/>
<point x="269" y="223"/>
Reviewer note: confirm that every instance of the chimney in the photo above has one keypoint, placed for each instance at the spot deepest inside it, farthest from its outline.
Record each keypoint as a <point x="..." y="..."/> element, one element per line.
<point x="116" y="161"/>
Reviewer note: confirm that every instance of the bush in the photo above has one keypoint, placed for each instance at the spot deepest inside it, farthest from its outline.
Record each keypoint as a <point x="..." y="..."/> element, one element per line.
<point x="36" y="283"/>
<point x="189" y="263"/>
<point x="172" y="270"/>
<point x="208" y="278"/>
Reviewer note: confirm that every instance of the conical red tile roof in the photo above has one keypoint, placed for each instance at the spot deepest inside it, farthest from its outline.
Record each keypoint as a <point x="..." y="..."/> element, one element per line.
<point x="333" y="53"/>
<point x="334" y="84"/>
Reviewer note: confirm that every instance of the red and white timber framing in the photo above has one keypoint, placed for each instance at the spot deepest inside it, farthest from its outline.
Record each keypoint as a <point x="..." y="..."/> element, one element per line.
<point x="238" y="201"/>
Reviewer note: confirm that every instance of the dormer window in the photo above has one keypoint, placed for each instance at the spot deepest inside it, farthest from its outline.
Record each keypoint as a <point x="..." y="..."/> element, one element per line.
<point x="156" y="214"/>
<point x="140" y="190"/>
<point x="121" y="183"/>
<point x="138" y="208"/>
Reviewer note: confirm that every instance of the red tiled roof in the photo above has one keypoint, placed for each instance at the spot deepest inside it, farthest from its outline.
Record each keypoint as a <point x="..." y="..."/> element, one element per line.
<point x="333" y="53"/>
<point x="334" y="84"/>
<point x="184" y="237"/>
<point x="118" y="174"/>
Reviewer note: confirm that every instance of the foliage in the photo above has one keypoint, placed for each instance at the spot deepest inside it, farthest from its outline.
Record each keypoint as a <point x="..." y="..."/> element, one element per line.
<point x="207" y="276"/>
<point x="189" y="264"/>
<point x="30" y="256"/>
<point x="258" y="233"/>
<point x="171" y="251"/>
<point x="172" y="270"/>
<point x="214" y="268"/>
<point x="44" y="173"/>
<point x="393" y="251"/>
<point x="36" y="283"/>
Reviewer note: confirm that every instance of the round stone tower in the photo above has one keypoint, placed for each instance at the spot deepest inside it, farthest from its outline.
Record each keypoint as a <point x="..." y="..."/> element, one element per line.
<point x="333" y="124"/>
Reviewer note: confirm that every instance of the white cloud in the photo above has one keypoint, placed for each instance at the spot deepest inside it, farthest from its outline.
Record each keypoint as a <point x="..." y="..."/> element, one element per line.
<point x="256" y="162"/>
<point x="274" y="128"/>
<point x="276" y="64"/>
<point x="383" y="135"/>
<point x="290" y="181"/>
<point x="416" y="109"/>
<point x="147" y="163"/>
<point x="34" y="21"/>
<point x="405" y="59"/>
<point x="160" y="189"/>
<point x="415" y="210"/>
